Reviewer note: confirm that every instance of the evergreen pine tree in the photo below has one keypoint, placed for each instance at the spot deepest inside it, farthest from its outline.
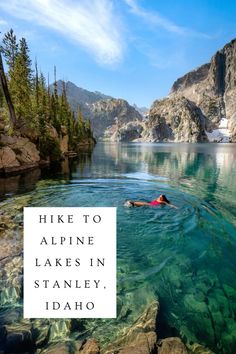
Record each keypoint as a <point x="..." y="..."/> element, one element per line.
<point x="6" y="93"/>
<point x="24" y="53"/>
<point x="30" y="101"/>
<point x="80" y="128"/>
<point x="39" y="102"/>
<point x="64" y="109"/>
<point x="54" y="105"/>
<point x="21" y="84"/>
<point x="9" y="48"/>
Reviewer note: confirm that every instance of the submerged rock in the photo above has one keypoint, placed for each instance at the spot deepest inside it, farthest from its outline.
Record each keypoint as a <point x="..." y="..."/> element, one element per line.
<point x="58" y="348"/>
<point x="145" y="343"/>
<point x="17" y="340"/>
<point x="90" y="346"/>
<point x="40" y="332"/>
<point x="198" y="349"/>
<point x="230" y="292"/>
<point x="140" y="337"/>
<point x="172" y="345"/>
<point x="193" y="304"/>
<point x="59" y="328"/>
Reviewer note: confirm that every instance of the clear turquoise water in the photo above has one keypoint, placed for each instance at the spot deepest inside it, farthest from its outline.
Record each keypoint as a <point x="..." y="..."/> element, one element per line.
<point x="185" y="257"/>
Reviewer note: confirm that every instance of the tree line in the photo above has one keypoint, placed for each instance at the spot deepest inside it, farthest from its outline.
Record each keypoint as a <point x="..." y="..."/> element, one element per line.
<point x="27" y="103"/>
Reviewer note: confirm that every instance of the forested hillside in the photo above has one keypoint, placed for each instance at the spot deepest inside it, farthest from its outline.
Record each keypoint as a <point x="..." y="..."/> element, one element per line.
<point x="28" y="109"/>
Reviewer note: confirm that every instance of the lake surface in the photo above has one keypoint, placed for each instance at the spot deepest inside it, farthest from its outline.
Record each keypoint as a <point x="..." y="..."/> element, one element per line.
<point x="185" y="257"/>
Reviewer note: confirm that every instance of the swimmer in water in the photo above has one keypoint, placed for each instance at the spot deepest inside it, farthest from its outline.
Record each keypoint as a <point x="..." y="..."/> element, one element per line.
<point x="161" y="200"/>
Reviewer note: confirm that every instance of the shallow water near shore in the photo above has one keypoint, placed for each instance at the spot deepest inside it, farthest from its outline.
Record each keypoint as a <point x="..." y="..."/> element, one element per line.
<point x="185" y="256"/>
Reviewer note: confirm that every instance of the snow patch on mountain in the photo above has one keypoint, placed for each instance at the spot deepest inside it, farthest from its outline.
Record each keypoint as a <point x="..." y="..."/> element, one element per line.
<point x="221" y="134"/>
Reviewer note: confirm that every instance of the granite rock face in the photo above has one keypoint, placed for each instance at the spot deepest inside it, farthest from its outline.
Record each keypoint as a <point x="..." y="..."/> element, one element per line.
<point x="131" y="131"/>
<point x="175" y="119"/>
<point x="191" y="78"/>
<point x="213" y="89"/>
<point x="109" y="116"/>
<point x="201" y="105"/>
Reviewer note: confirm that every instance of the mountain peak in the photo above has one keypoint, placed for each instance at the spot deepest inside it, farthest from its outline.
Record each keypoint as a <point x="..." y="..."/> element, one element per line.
<point x="212" y="88"/>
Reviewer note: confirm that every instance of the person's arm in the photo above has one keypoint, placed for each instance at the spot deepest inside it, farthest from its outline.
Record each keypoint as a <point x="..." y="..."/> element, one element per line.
<point x="172" y="206"/>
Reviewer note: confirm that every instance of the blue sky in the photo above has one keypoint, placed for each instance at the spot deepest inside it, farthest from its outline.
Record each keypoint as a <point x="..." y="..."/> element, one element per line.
<point x="131" y="49"/>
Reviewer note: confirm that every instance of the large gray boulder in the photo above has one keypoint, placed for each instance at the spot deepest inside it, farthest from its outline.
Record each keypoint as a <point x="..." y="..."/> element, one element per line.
<point x="175" y="119"/>
<point x="109" y="116"/>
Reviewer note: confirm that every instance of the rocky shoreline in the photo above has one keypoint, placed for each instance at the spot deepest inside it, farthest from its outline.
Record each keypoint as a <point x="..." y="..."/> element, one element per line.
<point x="18" y="154"/>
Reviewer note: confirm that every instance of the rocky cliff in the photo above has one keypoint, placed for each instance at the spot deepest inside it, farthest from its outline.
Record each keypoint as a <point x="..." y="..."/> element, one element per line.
<point x="212" y="87"/>
<point x="175" y="119"/>
<point x="21" y="151"/>
<point x="79" y="97"/>
<point x="142" y="110"/>
<point x="201" y="105"/>
<point x="109" y="117"/>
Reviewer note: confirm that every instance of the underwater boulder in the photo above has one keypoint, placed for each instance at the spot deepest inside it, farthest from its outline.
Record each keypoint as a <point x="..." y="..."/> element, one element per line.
<point x="58" y="348"/>
<point x="90" y="346"/>
<point x="172" y="345"/>
<point x="18" y="341"/>
<point x="40" y="332"/>
<point x="140" y="335"/>
<point x="196" y="348"/>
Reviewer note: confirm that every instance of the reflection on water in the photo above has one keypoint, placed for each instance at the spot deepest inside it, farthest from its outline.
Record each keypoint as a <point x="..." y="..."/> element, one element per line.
<point x="24" y="182"/>
<point x="27" y="180"/>
<point x="206" y="170"/>
<point x="185" y="257"/>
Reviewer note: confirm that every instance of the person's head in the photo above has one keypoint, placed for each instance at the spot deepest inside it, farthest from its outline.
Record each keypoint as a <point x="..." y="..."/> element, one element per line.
<point x="163" y="198"/>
